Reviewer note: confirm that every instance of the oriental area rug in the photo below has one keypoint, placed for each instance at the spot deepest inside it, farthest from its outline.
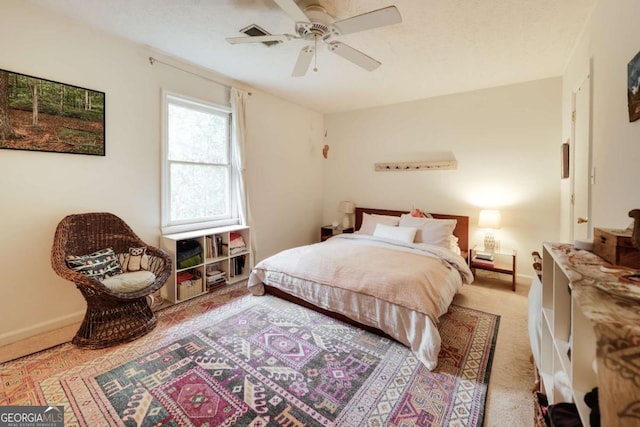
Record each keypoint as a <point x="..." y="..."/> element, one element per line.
<point x="233" y="359"/>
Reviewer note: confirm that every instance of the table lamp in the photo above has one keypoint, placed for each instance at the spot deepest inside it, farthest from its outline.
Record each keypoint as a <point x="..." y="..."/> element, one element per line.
<point x="347" y="208"/>
<point x="490" y="220"/>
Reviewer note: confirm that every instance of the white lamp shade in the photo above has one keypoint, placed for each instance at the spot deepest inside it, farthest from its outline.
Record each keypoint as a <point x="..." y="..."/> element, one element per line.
<point x="346" y="207"/>
<point x="489" y="219"/>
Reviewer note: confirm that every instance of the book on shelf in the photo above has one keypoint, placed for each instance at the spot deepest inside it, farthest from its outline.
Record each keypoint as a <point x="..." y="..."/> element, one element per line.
<point x="213" y="268"/>
<point x="217" y="277"/>
<point x="237" y="265"/>
<point x="219" y="245"/>
<point x="216" y="280"/>
<point x="208" y="250"/>
<point x="487" y="256"/>
<point x="216" y="284"/>
<point x="215" y="246"/>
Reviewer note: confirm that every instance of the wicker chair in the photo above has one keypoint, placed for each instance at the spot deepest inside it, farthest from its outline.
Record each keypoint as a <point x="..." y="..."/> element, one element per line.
<point x="111" y="317"/>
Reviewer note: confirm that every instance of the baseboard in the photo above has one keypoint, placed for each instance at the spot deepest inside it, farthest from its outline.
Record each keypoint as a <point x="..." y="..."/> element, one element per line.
<point x="43" y="333"/>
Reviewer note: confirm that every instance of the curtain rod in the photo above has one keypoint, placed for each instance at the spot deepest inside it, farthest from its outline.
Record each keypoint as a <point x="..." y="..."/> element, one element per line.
<point x="153" y="60"/>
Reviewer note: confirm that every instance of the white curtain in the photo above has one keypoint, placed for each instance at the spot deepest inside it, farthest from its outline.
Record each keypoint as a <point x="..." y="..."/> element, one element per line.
<point x="238" y="138"/>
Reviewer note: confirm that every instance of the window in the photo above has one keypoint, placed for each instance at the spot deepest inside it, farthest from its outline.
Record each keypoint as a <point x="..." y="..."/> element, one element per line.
<point x="198" y="175"/>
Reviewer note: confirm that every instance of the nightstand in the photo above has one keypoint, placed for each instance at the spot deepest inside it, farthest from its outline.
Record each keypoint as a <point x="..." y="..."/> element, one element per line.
<point x="328" y="231"/>
<point x="503" y="262"/>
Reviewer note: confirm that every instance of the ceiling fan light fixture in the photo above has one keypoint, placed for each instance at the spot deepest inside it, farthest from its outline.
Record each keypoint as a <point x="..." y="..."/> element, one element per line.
<point x="318" y="14"/>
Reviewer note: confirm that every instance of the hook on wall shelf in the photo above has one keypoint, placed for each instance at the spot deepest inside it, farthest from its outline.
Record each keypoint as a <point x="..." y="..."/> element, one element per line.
<point x="416" y="166"/>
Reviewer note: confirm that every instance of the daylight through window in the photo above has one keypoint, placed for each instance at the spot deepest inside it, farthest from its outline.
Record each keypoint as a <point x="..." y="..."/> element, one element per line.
<point x="198" y="169"/>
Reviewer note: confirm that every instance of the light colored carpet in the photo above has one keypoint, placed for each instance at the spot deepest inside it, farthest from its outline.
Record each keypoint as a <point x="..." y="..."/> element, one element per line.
<point x="510" y="400"/>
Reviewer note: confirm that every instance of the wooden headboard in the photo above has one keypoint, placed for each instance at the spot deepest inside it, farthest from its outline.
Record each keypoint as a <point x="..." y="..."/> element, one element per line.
<point x="461" y="231"/>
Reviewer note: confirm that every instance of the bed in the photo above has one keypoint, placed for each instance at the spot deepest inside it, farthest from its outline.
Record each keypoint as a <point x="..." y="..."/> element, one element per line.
<point x="382" y="278"/>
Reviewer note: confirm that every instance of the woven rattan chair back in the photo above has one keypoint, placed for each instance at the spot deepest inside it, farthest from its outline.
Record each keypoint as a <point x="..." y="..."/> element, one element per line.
<point x="111" y="317"/>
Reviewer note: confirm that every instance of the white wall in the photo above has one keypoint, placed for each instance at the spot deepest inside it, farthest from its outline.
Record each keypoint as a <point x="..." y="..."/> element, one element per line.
<point x="507" y="144"/>
<point x="37" y="189"/>
<point x="285" y="174"/>
<point x="609" y="42"/>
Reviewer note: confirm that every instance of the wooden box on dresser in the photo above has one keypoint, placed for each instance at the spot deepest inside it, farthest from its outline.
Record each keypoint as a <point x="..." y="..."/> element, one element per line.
<point x="616" y="247"/>
<point x="591" y="333"/>
<point x="219" y="259"/>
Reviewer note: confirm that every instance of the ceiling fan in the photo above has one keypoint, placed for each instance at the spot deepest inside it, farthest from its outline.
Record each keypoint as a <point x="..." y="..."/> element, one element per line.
<point x="314" y="25"/>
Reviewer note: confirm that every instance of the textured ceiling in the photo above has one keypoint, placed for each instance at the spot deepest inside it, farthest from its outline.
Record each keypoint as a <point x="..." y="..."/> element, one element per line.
<point x="441" y="46"/>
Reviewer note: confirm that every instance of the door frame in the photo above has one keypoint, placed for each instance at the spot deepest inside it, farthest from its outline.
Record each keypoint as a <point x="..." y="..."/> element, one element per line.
<point x="590" y="170"/>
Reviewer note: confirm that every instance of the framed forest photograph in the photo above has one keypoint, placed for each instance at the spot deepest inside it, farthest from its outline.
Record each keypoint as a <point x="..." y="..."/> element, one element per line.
<point x="42" y="115"/>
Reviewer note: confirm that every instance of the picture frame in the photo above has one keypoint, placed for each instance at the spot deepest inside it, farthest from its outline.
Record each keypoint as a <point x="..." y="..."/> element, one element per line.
<point x="38" y="114"/>
<point x="564" y="170"/>
<point x="633" y="88"/>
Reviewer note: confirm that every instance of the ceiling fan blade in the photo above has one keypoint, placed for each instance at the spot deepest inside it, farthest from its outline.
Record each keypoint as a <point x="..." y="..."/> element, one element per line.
<point x="291" y="8"/>
<point x="304" y="59"/>
<point x="374" y="19"/>
<point x="354" y="55"/>
<point x="260" y="39"/>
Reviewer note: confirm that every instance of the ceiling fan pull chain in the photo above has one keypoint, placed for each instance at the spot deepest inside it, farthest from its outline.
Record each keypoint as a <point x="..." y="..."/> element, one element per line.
<point x="315" y="54"/>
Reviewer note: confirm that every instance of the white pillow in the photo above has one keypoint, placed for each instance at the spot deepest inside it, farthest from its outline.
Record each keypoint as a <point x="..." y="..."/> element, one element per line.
<point x="369" y="222"/>
<point x="402" y="234"/>
<point x="453" y="245"/>
<point x="431" y="230"/>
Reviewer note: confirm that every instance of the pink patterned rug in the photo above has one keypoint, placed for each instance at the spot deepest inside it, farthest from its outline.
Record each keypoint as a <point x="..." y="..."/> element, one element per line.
<point x="230" y="358"/>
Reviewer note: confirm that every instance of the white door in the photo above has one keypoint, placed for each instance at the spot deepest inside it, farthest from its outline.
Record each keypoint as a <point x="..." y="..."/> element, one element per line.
<point x="581" y="164"/>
